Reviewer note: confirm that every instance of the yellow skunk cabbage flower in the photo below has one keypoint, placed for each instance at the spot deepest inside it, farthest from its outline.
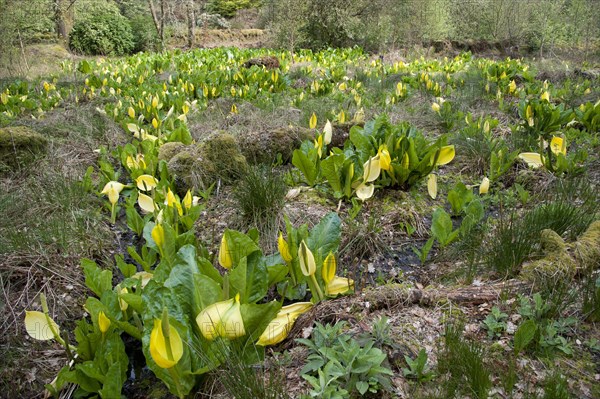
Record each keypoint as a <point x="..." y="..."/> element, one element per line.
<point x="225" y="258"/>
<point x="280" y="326"/>
<point x="131" y="112"/>
<point x="435" y="107"/>
<point x="173" y="202"/>
<point x="341" y="117"/>
<point x="284" y="248"/>
<point x="486" y="126"/>
<point x="312" y="123"/>
<point x="103" y="322"/>
<point x="329" y="268"/>
<point x="135" y="163"/>
<point x="112" y="190"/>
<point x="529" y="115"/>
<point x="371" y="169"/>
<point x="144" y="277"/>
<point x="166" y="346"/>
<point x="385" y="160"/>
<point x="122" y="304"/>
<point x="512" y="87"/>
<point x="307" y="260"/>
<point x="359" y="116"/>
<point x="339" y="285"/>
<point x="532" y="159"/>
<point x="365" y="191"/>
<point x="319" y="145"/>
<point x="327" y="133"/>
<point x="545" y="96"/>
<point x="222" y="319"/>
<point x="234" y="109"/>
<point x="158" y="235"/>
<point x="146" y="203"/>
<point x="146" y="182"/>
<point x="432" y="188"/>
<point x="188" y="200"/>
<point x="558" y="145"/>
<point x="39" y="326"/>
<point x="155" y="123"/>
<point x="446" y="155"/>
<point x="484" y="186"/>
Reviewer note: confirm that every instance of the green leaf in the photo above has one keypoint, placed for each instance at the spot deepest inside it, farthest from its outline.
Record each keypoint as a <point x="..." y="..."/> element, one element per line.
<point x="331" y="168"/>
<point x="249" y="278"/>
<point x="96" y="279"/>
<point x="306" y="165"/>
<point x="441" y="227"/>
<point x="325" y="237"/>
<point x="181" y="134"/>
<point x="362" y="387"/>
<point x="134" y="220"/>
<point x="524" y="335"/>
<point x="127" y="269"/>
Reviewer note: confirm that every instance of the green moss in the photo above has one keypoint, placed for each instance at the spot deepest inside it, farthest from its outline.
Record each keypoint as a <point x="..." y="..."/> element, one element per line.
<point x="587" y="247"/>
<point x="19" y="146"/>
<point x="263" y="146"/>
<point x="168" y="150"/>
<point x="555" y="264"/>
<point x="199" y="166"/>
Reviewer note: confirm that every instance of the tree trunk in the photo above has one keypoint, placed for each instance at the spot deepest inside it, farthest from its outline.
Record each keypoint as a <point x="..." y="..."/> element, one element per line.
<point x="59" y="20"/>
<point x="191" y="23"/>
<point x="158" y="23"/>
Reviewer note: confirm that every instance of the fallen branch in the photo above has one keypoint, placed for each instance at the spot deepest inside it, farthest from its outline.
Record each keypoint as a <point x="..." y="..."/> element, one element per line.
<point x="398" y="296"/>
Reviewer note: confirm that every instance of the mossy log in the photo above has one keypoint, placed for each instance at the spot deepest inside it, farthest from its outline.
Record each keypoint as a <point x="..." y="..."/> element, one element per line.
<point x="19" y="146"/>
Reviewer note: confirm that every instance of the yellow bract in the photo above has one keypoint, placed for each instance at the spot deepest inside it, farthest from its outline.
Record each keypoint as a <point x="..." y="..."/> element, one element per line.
<point x="281" y="325"/>
<point x="432" y="188"/>
<point x="38" y="325"/>
<point x="158" y="235"/>
<point x="146" y="182"/>
<point x="339" y="285"/>
<point x="173" y="201"/>
<point x="532" y="159"/>
<point x="365" y="191"/>
<point x="144" y="277"/>
<point x="327" y="133"/>
<point x="284" y="248"/>
<point x="225" y="259"/>
<point x="446" y="155"/>
<point x="545" y="96"/>
<point x="146" y="203"/>
<point x="385" y="160"/>
<point x="371" y="169"/>
<point x="435" y="107"/>
<point x="512" y="86"/>
<point x="131" y="112"/>
<point x="103" y="322"/>
<point x="558" y="145"/>
<point x="307" y="260"/>
<point x="329" y="268"/>
<point x="484" y="186"/>
<point x="188" y="200"/>
<point x="222" y="319"/>
<point x="312" y="123"/>
<point x="112" y="190"/>
<point x="158" y="346"/>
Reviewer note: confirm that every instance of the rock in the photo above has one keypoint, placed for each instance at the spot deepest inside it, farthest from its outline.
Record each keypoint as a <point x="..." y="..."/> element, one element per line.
<point x="269" y="62"/>
<point x="263" y="146"/>
<point x="200" y="165"/>
<point x="19" y="146"/>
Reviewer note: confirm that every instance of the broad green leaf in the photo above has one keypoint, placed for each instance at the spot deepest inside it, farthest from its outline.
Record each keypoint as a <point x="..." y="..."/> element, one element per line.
<point x="524" y="335"/>
<point x="96" y="279"/>
<point x="306" y="165"/>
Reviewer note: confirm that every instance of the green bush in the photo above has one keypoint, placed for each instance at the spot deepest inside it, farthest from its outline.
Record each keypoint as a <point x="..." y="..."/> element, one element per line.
<point x="228" y="8"/>
<point x="102" y="34"/>
<point x="145" y="37"/>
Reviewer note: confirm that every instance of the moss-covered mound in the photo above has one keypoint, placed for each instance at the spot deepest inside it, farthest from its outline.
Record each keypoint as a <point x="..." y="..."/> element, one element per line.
<point x="264" y="146"/>
<point x="200" y="165"/>
<point x="19" y="146"/>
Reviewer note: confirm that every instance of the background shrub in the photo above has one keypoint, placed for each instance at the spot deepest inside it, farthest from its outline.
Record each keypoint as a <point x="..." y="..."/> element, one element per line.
<point x="106" y="33"/>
